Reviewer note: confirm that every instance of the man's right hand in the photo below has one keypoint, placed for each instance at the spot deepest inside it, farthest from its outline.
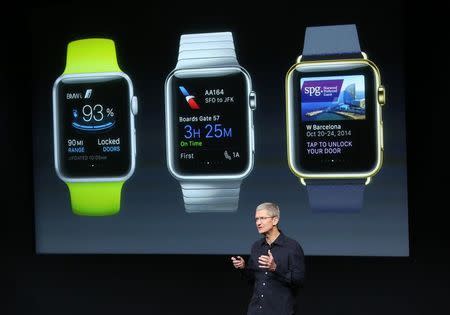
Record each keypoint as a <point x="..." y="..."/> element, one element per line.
<point x="238" y="262"/>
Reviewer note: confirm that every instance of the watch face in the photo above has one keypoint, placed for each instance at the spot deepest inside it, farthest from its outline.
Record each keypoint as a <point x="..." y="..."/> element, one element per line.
<point x="335" y="119"/>
<point x="209" y="122"/>
<point x="92" y="121"/>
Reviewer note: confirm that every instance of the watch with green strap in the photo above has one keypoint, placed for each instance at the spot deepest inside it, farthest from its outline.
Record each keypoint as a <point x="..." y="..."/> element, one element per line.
<point x="94" y="133"/>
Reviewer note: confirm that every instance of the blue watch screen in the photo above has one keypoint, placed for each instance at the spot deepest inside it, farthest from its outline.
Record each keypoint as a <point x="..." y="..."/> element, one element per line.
<point x="210" y="133"/>
<point x="93" y="127"/>
<point x="336" y="124"/>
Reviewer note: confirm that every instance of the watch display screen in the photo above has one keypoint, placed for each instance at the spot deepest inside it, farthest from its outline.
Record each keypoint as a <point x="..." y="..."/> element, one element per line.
<point x="210" y="123"/>
<point x="93" y="118"/>
<point x="335" y="120"/>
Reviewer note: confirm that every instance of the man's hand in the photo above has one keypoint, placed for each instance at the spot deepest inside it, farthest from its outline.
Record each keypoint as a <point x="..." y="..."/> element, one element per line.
<point x="267" y="262"/>
<point x="238" y="262"/>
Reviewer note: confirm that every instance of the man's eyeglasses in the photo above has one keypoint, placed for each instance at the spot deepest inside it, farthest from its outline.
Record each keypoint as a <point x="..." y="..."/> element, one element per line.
<point x="263" y="218"/>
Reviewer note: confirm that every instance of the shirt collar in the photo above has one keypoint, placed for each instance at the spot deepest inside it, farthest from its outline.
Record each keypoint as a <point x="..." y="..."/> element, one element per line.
<point x="278" y="241"/>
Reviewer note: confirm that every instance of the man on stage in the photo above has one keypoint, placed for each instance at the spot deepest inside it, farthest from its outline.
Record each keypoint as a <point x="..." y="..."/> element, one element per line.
<point x="276" y="266"/>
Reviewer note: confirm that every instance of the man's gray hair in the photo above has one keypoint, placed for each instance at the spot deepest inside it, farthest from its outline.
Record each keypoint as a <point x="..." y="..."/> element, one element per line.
<point x="271" y="207"/>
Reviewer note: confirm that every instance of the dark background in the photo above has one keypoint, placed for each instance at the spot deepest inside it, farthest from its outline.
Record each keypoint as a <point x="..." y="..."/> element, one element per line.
<point x="179" y="284"/>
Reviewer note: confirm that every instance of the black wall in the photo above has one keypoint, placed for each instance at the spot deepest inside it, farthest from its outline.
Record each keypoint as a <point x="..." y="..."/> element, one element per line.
<point x="114" y="284"/>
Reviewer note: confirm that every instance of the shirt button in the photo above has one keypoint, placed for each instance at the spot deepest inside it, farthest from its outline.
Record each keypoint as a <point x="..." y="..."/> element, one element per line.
<point x="262" y="295"/>
<point x="266" y="272"/>
<point x="260" y="306"/>
<point x="264" y="283"/>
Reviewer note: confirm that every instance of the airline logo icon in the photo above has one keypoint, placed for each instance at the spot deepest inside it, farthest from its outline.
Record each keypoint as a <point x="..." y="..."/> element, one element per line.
<point x="189" y="98"/>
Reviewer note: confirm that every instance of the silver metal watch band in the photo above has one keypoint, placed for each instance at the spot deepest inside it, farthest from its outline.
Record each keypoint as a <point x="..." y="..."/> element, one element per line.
<point x="208" y="50"/>
<point x="211" y="196"/>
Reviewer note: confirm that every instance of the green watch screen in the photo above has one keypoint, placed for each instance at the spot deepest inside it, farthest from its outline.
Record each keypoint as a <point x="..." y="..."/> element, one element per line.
<point x="93" y="127"/>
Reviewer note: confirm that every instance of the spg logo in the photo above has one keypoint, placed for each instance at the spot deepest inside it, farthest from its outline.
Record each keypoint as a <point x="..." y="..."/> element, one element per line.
<point x="313" y="90"/>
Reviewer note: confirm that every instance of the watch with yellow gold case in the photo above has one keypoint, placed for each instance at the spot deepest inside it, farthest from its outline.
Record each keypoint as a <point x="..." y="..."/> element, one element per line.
<point x="334" y="101"/>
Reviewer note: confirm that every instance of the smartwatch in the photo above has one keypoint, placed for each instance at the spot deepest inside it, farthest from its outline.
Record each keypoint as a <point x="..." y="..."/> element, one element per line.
<point x="93" y="127"/>
<point x="334" y="100"/>
<point x="209" y="122"/>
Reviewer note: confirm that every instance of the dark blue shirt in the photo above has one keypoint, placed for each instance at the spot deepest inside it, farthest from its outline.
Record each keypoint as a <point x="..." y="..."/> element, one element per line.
<point x="274" y="293"/>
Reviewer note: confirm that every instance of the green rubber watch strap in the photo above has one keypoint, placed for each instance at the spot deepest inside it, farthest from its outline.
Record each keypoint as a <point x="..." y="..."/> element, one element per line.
<point x="95" y="199"/>
<point x="91" y="55"/>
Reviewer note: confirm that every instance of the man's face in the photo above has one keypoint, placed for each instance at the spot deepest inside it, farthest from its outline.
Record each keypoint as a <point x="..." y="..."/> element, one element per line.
<point x="264" y="221"/>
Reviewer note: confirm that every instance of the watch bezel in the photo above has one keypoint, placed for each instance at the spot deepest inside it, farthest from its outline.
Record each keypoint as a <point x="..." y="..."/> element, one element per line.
<point x="330" y="64"/>
<point x="56" y="127"/>
<point x="169" y="124"/>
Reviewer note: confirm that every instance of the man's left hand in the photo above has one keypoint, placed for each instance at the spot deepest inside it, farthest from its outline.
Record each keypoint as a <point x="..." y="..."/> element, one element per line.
<point x="267" y="262"/>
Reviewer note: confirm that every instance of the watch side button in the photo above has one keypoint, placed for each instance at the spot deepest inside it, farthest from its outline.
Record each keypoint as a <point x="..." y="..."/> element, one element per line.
<point x="252" y="100"/>
<point x="381" y="95"/>
<point x="135" y="143"/>
<point x="134" y="105"/>
<point x="253" y="140"/>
